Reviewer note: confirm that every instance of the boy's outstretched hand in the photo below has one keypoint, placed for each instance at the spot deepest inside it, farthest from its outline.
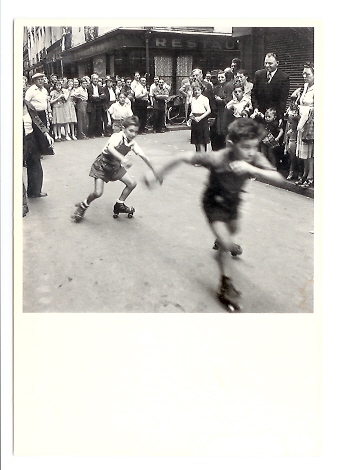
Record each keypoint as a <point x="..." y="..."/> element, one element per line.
<point x="151" y="179"/>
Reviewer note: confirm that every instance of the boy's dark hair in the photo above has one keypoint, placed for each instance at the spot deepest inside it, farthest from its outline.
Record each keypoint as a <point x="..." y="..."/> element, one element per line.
<point x="244" y="72"/>
<point x="238" y="84"/>
<point x="244" y="128"/>
<point x="131" y="121"/>
<point x="271" y="110"/>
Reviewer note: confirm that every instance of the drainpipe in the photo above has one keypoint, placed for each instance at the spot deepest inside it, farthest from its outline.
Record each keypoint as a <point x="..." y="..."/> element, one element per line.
<point x="147" y="55"/>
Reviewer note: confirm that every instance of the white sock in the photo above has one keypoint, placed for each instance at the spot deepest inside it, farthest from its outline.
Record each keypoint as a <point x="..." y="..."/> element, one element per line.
<point x="85" y="202"/>
<point x="120" y="202"/>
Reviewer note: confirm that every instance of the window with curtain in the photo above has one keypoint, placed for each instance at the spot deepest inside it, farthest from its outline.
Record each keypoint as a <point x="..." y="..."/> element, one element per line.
<point x="163" y="66"/>
<point x="184" y="65"/>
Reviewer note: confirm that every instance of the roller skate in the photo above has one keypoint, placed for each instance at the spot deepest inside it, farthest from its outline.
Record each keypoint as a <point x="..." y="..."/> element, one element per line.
<point x="78" y="215"/>
<point x="121" y="208"/>
<point x="235" y="251"/>
<point x="229" y="295"/>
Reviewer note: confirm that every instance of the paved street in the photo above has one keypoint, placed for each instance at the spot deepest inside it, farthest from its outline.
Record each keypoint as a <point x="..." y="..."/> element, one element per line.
<point x="161" y="260"/>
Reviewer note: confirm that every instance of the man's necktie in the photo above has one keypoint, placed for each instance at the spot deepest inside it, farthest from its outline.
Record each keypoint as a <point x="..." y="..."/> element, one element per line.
<point x="268" y="75"/>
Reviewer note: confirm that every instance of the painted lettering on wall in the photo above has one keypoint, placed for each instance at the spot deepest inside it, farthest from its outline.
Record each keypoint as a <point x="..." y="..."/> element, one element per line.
<point x="213" y="44"/>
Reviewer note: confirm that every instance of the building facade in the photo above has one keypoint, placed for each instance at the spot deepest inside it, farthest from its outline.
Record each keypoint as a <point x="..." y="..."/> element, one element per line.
<point x="168" y="52"/>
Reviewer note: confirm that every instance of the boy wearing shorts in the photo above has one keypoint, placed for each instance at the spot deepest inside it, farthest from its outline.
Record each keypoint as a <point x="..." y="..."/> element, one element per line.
<point x="229" y="169"/>
<point x="111" y="165"/>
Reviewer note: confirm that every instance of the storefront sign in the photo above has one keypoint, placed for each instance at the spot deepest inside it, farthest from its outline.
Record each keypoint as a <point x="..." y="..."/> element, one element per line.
<point x="207" y="44"/>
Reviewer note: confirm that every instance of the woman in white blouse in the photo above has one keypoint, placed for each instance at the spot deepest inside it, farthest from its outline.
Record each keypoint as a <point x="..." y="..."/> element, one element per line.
<point x="305" y="127"/>
<point x="200" y="110"/>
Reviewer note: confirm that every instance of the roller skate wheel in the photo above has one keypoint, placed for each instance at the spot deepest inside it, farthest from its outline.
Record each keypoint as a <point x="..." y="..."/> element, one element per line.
<point x="130" y="216"/>
<point x="115" y="216"/>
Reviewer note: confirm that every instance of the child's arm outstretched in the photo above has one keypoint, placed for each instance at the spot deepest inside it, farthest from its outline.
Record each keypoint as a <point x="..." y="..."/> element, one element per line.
<point x="186" y="157"/>
<point x="241" y="167"/>
<point x="139" y="152"/>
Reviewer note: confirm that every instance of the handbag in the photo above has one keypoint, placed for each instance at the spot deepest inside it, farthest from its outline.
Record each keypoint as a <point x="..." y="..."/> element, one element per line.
<point x="308" y="128"/>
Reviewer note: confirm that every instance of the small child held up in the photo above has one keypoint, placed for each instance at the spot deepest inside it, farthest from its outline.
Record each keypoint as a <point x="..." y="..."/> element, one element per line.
<point x="111" y="164"/>
<point x="274" y="132"/>
<point x="290" y="135"/>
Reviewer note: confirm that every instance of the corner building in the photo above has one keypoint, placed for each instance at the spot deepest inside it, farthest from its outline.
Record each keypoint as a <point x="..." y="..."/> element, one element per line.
<point x="169" y="53"/>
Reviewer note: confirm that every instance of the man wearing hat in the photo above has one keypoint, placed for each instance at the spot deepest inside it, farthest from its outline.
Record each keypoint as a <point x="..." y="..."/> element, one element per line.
<point x="38" y="97"/>
<point x="34" y="132"/>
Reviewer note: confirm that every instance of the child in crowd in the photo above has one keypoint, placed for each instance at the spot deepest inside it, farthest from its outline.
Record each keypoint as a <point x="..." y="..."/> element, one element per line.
<point x="240" y="105"/>
<point x="274" y="132"/>
<point x="70" y="111"/>
<point x="57" y="102"/>
<point x="243" y="78"/>
<point x="290" y="135"/>
<point x="119" y="111"/>
<point x="229" y="169"/>
<point x="200" y="110"/>
<point x="110" y="166"/>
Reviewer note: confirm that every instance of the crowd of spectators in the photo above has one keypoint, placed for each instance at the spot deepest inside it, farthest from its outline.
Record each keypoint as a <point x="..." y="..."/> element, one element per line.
<point x="90" y="107"/>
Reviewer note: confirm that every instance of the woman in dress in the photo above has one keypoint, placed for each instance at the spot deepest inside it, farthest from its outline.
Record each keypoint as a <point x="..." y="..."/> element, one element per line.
<point x="305" y="127"/>
<point x="70" y="111"/>
<point x="57" y="103"/>
<point x="81" y="98"/>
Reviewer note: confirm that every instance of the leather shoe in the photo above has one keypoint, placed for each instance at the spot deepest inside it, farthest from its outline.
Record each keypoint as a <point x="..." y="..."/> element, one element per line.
<point x="37" y="195"/>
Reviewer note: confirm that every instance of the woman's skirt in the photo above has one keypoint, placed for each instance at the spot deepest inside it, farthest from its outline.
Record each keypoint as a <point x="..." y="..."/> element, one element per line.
<point x="70" y="112"/>
<point x="58" y="114"/>
<point x="304" y="150"/>
<point x="200" y="132"/>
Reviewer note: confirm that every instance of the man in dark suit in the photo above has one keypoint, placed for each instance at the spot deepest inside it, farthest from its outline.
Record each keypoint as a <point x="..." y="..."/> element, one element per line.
<point x="95" y="107"/>
<point x="270" y="87"/>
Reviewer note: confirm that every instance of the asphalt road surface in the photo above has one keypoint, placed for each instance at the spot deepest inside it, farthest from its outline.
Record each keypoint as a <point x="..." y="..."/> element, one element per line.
<point x="161" y="260"/>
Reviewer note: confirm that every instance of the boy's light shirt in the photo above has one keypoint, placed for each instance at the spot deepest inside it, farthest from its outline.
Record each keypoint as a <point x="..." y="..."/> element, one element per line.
<point x="118" y="138"/>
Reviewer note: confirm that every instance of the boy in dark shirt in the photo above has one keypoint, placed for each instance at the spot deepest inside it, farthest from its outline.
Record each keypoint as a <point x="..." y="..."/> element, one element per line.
<point x="229" y="169"/>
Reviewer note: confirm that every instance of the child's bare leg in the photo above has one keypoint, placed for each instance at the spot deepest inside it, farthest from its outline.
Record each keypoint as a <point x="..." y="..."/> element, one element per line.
<point x="130" y="185"/>
<point x="310" y="168"/>
<point x="223" y="234"/>
<point x="56" y="130"/>
<point x="98" y="191"/>
<point x="306" y="168"/>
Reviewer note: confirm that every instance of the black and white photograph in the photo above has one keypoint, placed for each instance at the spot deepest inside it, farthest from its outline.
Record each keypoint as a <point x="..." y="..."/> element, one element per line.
<point x="217" y="214"/>
<point x="166" y="242"/>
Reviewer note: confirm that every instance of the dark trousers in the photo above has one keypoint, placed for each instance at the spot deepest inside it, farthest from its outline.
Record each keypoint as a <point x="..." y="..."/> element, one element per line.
<point x="159" y="119"/>
<point x="96" y="120"/>
<point x="141" y="113"/>
<point x="32" y="159"/>
<point x="218" y="141"/>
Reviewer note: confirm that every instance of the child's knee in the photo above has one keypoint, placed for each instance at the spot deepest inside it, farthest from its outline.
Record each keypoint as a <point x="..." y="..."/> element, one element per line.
<point x="132" y="184"/>
<point x="98" y="192"/>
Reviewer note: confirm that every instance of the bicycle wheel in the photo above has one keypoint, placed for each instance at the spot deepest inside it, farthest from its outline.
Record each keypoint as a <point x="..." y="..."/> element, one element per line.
<point x="173" y="114"/>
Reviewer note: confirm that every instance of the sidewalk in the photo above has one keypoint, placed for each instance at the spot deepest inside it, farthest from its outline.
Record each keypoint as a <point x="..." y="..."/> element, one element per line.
<point x="287" y="185"/>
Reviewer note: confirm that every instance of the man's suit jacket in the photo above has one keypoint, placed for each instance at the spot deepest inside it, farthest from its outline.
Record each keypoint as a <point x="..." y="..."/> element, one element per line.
<point x="270" y="95"/>
<point x="94" y="100"/>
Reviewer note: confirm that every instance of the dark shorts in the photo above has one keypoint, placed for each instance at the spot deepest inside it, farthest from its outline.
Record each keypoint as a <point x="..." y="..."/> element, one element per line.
<point x="218" y="209"/>
<point x="103" y="171"/>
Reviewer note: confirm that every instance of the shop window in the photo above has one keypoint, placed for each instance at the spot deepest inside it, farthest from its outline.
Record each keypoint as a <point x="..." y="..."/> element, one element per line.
<point x="163" y="67"/>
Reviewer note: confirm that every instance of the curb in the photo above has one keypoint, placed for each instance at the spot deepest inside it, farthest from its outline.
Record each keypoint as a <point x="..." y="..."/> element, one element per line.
<point x="286" y="185"/>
